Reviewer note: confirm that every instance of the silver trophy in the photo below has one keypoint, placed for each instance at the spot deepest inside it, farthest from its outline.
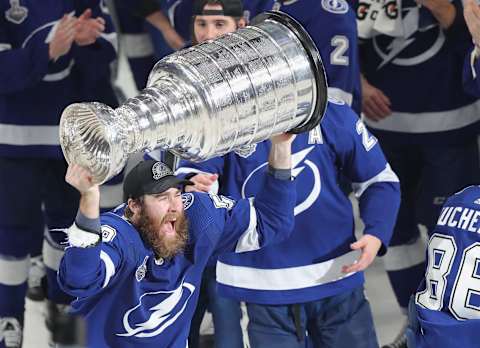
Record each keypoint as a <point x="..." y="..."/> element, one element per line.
<point x="207" y="100"/>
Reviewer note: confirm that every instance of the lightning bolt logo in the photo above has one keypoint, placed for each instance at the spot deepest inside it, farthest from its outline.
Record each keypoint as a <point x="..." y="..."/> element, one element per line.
<point x="299" y="163"/>
<point x="298" y="158"/>
<point x="395" y="47"/>
<point x="399" y="44"/>
<point x="161" y="317"/>
<point x="410" y="24"/>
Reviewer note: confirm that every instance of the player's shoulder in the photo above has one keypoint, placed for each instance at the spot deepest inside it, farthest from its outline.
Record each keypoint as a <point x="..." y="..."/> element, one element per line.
<point x="115" y="227"/>
<point x="336" y="7"/>
<point x="468" y="196"/>
<point x="339" y="114"/>
<point x="195" y="200"/>
<point x="188" y="198"/>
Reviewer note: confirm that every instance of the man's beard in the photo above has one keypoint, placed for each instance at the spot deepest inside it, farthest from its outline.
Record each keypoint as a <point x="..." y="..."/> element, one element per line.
<point x="163" y="246"/>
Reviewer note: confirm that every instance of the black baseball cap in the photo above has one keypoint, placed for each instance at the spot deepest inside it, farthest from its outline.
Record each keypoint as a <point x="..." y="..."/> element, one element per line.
<point x="149" y="177"/>
<point x="230" y="8"/>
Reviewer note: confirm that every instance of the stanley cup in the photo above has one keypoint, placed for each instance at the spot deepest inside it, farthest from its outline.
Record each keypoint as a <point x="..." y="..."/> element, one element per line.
<point x="207" y="100"/>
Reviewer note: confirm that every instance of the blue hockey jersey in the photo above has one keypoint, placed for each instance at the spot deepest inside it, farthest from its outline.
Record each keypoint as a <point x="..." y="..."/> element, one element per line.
<point x="307" y="266"/>
<point x="471" y="72"/>
<point x="333" y="28"/>
<point x="130" y="298"/>
<point x="94" y="81"/>
<point x="34" y="90"/>
<point x="421" y="73"/>
<point x="448" y="301"/>
<point x="136" y="41"/>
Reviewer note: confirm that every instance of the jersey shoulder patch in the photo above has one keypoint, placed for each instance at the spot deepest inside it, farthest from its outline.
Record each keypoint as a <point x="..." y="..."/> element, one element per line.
<point x="187" y="199"/>
<point x="108" y="233"/>
<point x="335" y="6"/>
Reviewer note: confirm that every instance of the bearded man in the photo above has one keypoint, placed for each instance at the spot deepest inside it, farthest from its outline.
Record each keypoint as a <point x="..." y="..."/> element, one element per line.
<point x="136" y="271"/>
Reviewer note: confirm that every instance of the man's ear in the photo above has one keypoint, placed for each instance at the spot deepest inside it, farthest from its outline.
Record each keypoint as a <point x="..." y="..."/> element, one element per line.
<point x="242" y="23"/>
<point x="133" y="206"/>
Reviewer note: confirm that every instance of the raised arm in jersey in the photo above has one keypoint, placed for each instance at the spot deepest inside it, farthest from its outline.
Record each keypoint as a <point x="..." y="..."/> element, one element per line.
<point x="151" y="251"/>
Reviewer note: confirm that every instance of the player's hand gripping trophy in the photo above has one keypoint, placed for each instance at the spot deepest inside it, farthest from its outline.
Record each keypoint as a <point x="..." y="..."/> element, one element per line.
<point x="207" y="100"/>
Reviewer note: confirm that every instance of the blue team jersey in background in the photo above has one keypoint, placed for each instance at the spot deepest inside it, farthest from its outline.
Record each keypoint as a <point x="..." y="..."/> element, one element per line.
<point x="307" y="266"/>
<point x="333" y="28"/>
<point x="448" y="301"/>
<point x="421" y="74"/>
<point x="471" y="72"/>
<point x="34" y="90"/>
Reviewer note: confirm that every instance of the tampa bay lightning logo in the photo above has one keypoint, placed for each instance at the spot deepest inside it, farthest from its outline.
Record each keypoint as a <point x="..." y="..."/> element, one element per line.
<point x="156" y="311"/>
<point x="406" y="50"/>
<point x="335" y="6"/>
<point x="16" y="13"/>
<point x="187" y="200"/>
<point x="303" y="169"/>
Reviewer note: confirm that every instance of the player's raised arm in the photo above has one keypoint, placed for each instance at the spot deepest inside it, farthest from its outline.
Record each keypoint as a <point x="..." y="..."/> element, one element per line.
<point x="250" y="224"/>
<point x="84" y="270"/>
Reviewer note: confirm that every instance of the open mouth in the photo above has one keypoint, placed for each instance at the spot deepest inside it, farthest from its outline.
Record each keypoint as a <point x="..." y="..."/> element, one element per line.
<point x="170" y="226"/>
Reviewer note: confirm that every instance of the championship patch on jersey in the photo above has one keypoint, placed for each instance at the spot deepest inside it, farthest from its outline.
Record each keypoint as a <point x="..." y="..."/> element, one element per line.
<point x="187" y="199"/>
<point x="108" y="233"/>
<point x="16" y="13"/>
<point x="245" y="151"/>
<point x="335" y="6"/>
<point x="141" y="270"/>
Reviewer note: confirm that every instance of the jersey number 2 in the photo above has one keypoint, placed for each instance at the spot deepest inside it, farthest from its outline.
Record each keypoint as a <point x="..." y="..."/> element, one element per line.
<point x="465" y="297"/>
<point x="368" y="140"/>
<point x="338" y="56"/>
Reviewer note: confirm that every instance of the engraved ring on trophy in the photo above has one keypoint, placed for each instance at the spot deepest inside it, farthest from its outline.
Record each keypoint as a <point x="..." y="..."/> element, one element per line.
<point x="207" y="100"/>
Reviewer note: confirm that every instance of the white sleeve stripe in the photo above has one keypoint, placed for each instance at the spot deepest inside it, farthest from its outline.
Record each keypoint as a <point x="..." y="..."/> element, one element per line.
<point x="473" y="57"/>
<point x="111" y="38"/>
<point x="340" y="94"/>
<point x="5" y="47"/>
<point x="249" y="240"/>
<point x="187" y="170"/>
<point x="386" y="175"/>
<point x="13" y="272"/>
<point x="109" y="267"/>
